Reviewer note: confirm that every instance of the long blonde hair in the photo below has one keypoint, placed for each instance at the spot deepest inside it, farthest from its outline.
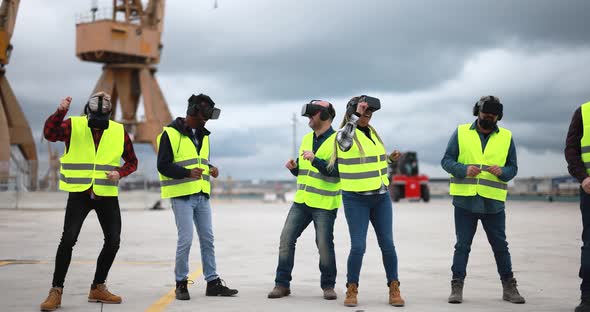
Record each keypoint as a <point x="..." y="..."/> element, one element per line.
<point x="355" y="141"/>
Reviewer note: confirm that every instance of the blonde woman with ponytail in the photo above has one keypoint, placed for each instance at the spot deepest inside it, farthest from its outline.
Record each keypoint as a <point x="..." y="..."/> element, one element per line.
<point x="362" y="159"/>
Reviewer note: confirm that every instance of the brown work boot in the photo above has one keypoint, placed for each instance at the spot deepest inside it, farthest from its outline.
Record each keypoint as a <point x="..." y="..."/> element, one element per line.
<point x="395" y="297"/>
<point x="279" y="292"/>
<point x="100" y="293"/>
<point x="351" y="292"/>
<point x="330" y="294"/>
<point x="53" y="300"/>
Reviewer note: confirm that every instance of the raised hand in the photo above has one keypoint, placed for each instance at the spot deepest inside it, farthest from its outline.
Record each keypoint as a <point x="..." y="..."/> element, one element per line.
<point x="65" y="103"/>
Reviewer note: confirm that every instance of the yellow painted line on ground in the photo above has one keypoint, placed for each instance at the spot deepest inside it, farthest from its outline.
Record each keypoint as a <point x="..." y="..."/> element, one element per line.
<point x="163" y="302"/>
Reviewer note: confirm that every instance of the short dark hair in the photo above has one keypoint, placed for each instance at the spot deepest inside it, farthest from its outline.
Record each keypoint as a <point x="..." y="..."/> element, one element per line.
<point x="196" y="100"/>
<point x="331" y="111"/>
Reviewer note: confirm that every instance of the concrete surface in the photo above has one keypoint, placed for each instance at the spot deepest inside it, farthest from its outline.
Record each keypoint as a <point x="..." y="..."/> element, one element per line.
<point x="543" y="237"/>
<point x="57" y="200"/>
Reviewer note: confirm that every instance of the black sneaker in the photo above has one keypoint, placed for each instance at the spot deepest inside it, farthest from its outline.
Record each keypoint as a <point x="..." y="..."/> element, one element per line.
<point x="217" y="288"/>
<point x="182" y="290"/>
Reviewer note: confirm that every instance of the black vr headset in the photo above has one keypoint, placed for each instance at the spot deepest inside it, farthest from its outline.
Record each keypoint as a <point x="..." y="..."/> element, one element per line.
<point x="209" y="111"/>
<point x="97" y="119"/>
<point x="489" y="104"/>
<point x="374" y="103"/>
<point x="311" y="108"/>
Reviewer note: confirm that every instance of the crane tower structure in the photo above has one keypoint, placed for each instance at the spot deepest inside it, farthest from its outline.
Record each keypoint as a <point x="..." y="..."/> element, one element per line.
<point x="128" y="43"/>
<point x="14" y="128"/>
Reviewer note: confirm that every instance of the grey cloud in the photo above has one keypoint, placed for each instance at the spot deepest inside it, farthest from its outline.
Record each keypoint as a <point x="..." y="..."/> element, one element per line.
<point x="383" y="45"/>
<point x="268" y="52"/>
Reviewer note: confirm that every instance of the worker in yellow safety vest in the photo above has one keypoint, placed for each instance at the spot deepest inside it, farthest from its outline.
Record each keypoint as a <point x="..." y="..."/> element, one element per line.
<point x="317" y="200"/>
<point x="185" y="174"/>
<point x="362" y="162"/>
<point x="90" y="171"/>
<point x="481" y="159"/>
<point x="577" y="155"/>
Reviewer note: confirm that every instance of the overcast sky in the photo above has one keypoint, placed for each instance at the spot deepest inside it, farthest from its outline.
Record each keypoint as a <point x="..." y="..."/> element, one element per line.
<point x="260" y="60"/>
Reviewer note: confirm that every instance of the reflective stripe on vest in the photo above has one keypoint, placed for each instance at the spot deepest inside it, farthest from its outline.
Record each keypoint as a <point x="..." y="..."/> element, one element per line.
<point x="181" y="181"/>
<point x="364" y="175"/>
<point x="368" y="173"/>
<point x="83" y="165"/>
<point x="185" y="155"/>
<point x="313" y="188"/>
<point x="484" y="184"/>
<point x="585" y="141"/>
<point x="475" y="181"/>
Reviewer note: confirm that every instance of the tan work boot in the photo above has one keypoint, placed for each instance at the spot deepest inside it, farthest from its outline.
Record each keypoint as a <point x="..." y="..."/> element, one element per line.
<point x="100" y="293"/>
<point x="53" y="300"/>
<point x="351" y="292"/>
<point x="395" y="297"/>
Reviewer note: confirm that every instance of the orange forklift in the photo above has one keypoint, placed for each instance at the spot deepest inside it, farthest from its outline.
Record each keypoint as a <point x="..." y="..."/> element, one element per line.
<point x="406" y="182"/>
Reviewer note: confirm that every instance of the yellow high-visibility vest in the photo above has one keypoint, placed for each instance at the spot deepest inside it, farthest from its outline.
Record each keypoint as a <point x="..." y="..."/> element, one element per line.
<point x="361" y="174"/>
<point x="484" y="184"/>
<point x="313" y="188"/>
<point x="585" y="141"/>
<point x="185" y="155"/>
<point x="82" y="165"/>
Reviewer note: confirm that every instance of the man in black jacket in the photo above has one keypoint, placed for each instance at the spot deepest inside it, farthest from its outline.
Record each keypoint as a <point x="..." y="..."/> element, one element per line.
<point x="577" y="148"/>
<point x="185" y="171"/>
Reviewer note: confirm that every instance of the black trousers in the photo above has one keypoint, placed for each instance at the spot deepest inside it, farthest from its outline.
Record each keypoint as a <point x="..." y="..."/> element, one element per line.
<point x="109" y="216"/>
<point x="585" y="259"/>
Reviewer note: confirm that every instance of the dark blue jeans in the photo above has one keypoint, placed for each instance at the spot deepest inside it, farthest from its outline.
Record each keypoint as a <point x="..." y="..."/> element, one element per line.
<point x="585" y="260"/>
<point x="359" y="210"/>
<point x="495" y="227"/>
<point x="300" y="216"/>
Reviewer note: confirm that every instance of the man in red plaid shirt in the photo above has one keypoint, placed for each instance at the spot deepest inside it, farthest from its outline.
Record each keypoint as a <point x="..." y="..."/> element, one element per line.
<point x="89" y="170"/>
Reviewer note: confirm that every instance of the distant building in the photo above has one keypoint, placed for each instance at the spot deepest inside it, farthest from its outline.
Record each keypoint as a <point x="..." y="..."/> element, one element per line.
<point x="556" y="186"/>
<point x="439" y="186"/>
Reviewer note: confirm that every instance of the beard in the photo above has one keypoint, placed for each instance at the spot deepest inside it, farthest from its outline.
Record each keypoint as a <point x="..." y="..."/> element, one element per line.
<point x="487" y="124"/>
<point x="98" y="123"/>
<point x="313" y="124"/>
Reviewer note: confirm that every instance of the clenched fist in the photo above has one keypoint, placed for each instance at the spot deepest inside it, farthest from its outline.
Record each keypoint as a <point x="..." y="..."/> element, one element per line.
<point x="113" y="175"/>
<point x="65" y="103"/>
<point x="395" y="155"/>
<point x="362" y="107"/>
<point x="213" y="171"/>
<point x="291" y="164"/>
